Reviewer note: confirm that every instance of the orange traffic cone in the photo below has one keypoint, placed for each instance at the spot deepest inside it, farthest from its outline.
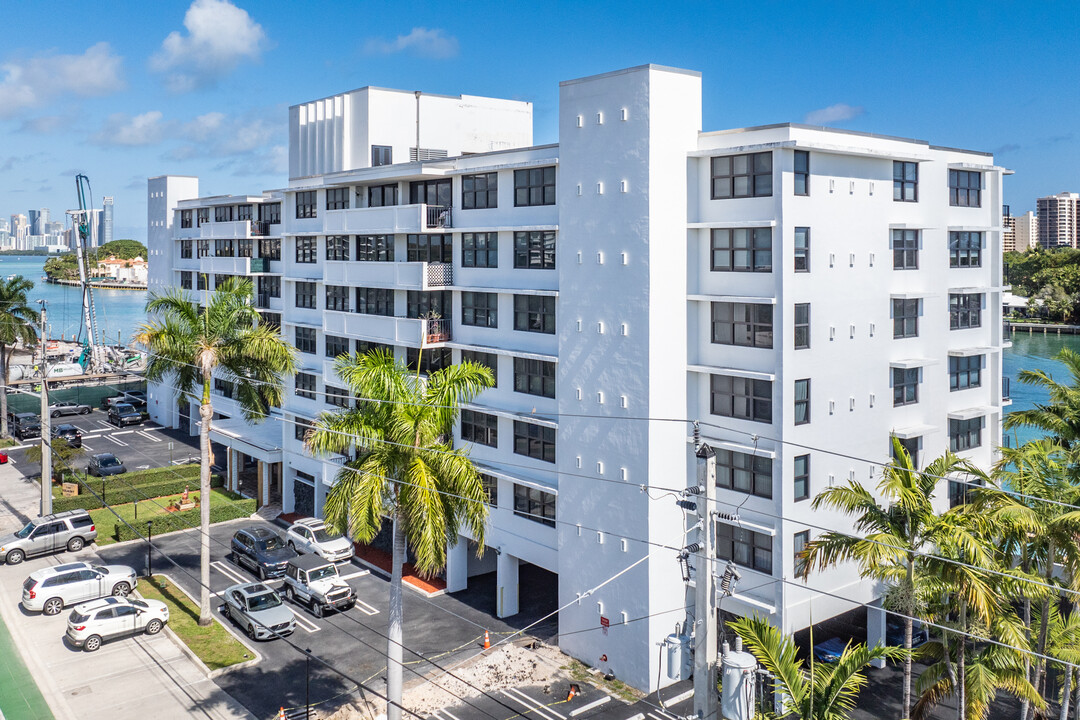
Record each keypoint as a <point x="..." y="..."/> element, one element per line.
<point x="487" y="641"/>
<point x="573" y="691"/>
<point x="281" y="714"/>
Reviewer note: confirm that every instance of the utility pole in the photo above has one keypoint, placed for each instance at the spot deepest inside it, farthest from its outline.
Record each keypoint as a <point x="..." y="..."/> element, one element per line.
<point x="46" y="424"/>
<point x="705" y="611"/>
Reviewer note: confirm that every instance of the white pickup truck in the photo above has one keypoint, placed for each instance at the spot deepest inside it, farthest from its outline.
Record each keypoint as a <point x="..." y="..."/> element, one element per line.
<point x="315" y="582"/>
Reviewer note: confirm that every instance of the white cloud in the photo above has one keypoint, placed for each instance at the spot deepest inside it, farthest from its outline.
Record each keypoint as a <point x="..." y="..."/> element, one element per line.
<point x="124" y="130"/>
<point x="219" y="36"/>
<point x="833" y="114"/>
<point x="33" y="82"/>
<point x="217" y="135"/>
<point x="434" y="43"/>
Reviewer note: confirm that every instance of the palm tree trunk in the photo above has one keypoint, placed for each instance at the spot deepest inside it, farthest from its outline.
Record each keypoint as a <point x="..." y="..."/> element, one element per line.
<point x="394" y="631"/>
<point x="3" y="395"/>
<point x="1026" y="567"/>
<point x="908" y="610"/>
<point x="1076" y="700"/>
<point x="961" y="664"/>
<point x="206" y="413"/>
<point x="1064" y="715"/>
<point x="1044" y="627"/>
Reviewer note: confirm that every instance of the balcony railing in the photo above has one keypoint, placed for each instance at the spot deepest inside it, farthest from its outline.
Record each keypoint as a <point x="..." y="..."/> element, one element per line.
<point x="1005" y="394"/>
<point x="262" y="300"/>
<point x="439" y="216"/>
<point x="259" y="228"/>
<point x="1006" y="330"/>
<point x="440" y="274"/>
<point x="259" y="265"/>
<point x="437" y="330"/>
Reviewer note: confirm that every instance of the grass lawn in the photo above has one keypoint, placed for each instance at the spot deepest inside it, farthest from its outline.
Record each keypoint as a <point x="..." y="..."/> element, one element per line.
<point x="105" y="519"/>
<point x="214" y="645"/>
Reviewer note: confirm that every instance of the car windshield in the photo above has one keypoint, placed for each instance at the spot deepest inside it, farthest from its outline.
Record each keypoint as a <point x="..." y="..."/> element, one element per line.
<point x="271" y="543"/>
<point x="264" y="601"/>
<point x="324" y="535"/>
<point x="25" y="532"/>
<point x="139" y="604"/>
<point x="101" y="569"/>
<point x="77" y="617"/>
<point x="109" y="462"/>
<point x="322" y="573"/>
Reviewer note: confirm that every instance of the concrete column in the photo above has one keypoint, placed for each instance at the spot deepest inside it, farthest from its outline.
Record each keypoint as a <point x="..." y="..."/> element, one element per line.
<point x="259" y="485"/>
<point x="264" y="482"/>
<point x="320" y="497"/>
<point x="234" y="469"/>
<point x="506" y="585"/>
<point x="457" y="565"/>
<point x="875" y="628"/>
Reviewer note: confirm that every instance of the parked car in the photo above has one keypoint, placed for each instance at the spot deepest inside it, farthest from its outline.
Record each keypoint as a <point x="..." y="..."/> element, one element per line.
<point x="68" y="432"/>
<point x="105" y="464"/>
<point x="830" y="650"/>
<point x="258" y="609"/>
<point x="92" y="623"/>
<point x="70" y="530"/>
<point x="312" y="536"/>
<point x="262" y="551"/>
<point x="136" y="398"/>
<point x="68" y="408"/>
<point x="25" y="426"/>
<point x="51" y="589"/>
<point x="122" y="414"/>
<point x="315" y="581"/>
<point x="894" y="632"/>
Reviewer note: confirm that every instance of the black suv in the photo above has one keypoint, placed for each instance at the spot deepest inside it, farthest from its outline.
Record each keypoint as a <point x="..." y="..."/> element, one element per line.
<point x="262" y="551"/>
<point x="68" y="432"/>
<point x="122" y="414"/>
<point x="25" y="425"/>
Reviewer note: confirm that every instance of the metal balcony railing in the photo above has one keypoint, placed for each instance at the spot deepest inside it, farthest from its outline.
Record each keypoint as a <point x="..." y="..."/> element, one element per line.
<point x="438" y="216"/>
<point x="259" y="228"/>
<point x="437" y="330"/>
<point x="440" y="274"/>
<point x="1005" y="394"/>
<point x="262" y="300"/>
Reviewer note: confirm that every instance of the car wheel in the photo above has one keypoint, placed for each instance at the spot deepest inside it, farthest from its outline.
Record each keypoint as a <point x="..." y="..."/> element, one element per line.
<point x="153" y="627"/>
<point x="289" y="594"/>
<point x="250" y="631"/>
<point x="52" y="606"/>
<point x="121" y="589"/>
<point x="15" y="557"/>
<point x="92" y="643"/>
<point x="317" y="609"/>
<point x="293" y="547"/>
<point x="85" y="411"/>
<point x="262" y="573"/>
<point x="75" y="544"/>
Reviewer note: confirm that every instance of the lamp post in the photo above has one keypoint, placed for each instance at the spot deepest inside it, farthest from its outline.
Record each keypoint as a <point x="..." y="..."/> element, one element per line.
<point x="307" y="683"/>
<point x="149" y="548"/>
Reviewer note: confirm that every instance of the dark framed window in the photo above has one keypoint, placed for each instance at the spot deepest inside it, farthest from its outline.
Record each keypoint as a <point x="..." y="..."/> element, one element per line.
<point x="431" y="192"/>
<point x="534" y="504"/>
<point x="244" y="247"/>
<point x="746" y="324"/>
<point x="480" y="309"/>
<point x="270" y="319"/>
<point x="363" y="347"/>
<point x="270" y="213"/>
<point x="965" y="188"/>
<point x="430" y="248"/>
<point x="488" y="360"/>
<point x="337" y="198"/>
<point x="479" y="428"/>
<point x="905" y="185"/>
<point x="802" y="172"/>
<point x="965" y="434"/>
<point x="905" y="313"/>
<point x="223" y="213"/>
<point x="202" y="216"/>
<point x="305" y="385"/>
<point x="802" y="249"/>
<point x="479" y="191"/>
<point x="425" y="304"/>
<point x="905" y="247"/>
<point x="535" y="441"/>
<point x="534" y="186"/>
<point x="305" y="295"/>
<point x="911" y="447"/>
<point x="307" y="249"/>
<point x="375" y="301"/>
<point x="185" y="248"/>
<point x="480" y="250"/>
<point x="745" y="548"/>
<point x="270" y="285"/>
<point x="965" y="310"/>
<point x="305" y="340"/>
<point x="428" y="361"/>
<point x="799" y="542"/>
<point x="965" y="249"/>
<point x="743" y="398"/>
<point x="741" y="176"/>
<point x="383" y="195"/>
<point x="270" y="248"/>
<point x="490" y="483"/>
<point x="300" y="431"/>
<point x="185" y="219"/>
<point x="223" y="247"/>
<point x="802" y="326"/>
<point x="905" y="382"/>
<point x="337" y="298"/>
<point x="337" y="247"/>
<point x="375" y="248"/>
<point x="802" y="401"/>
<point x="224" y="387"/>
<point x="243" y="212"/>
<point x="336" y="346"/>
<point x="535" y="249"/>
<point x="185" y="280"/>
<point x="534" y="313"/>
<point x="534" y="377"/>
<point x="381" y="155"/>
<point x="741" y="250"/>
<point x="337" y="396"/>
<point x="200" y="281"/>
<point x="745" y="473"/>
<point x="306" y="204"/>
<point x="965" y="372"/>
<point x="202" y="248"/>
<point x="220" y="279"/>
<point x="801" y="477"/>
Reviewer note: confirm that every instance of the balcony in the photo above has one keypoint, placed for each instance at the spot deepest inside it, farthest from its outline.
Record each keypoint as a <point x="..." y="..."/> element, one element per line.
<point x="439" y="217"/>
<point x="438" y="274"/>
<point x="1006" y="394"/>
<point x="259" y="228"/>
<point x="411" y="332"/>
<point x="387" y="220"/>
<point x="262" y="301"/>
<point x="260" y="265"/>
<point x="401" y="275"/>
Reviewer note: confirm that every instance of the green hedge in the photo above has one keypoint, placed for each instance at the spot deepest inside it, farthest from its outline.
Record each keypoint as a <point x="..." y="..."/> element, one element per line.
<point x="186" y="519"/>
<point x="135" y="486"/>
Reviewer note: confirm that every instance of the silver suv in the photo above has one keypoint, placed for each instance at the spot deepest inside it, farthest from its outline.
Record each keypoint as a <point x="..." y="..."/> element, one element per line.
<point x="69" y="530"/>
<point x="51" y="588"/>
<point x="315" y="582"/>
<point x="258" y="610"/>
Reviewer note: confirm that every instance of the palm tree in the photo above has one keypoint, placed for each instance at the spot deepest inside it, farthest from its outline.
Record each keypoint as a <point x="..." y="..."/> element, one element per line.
<point x="16" y="325"/>
<point x="189" y="344"/>
<point x="1060" y="417"/>
<point x="895" y="533"/>
<point x="829" y="691"/>
<point x="404" y="468"/>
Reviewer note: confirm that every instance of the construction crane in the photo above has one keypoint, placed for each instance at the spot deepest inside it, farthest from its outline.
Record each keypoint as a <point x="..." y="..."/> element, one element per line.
<point x="92" y="358"/>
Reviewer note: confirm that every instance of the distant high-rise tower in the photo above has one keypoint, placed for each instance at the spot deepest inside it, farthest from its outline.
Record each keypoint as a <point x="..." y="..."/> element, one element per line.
<point x="32" y="222"/>
<point x="20" y="230"/>
<point x="1027" y="231"/>
<point x="106" y="234"/>
<point x="1059" y="216"/>
<point x="38" y="225"/>
<point x="1008" y="230"/>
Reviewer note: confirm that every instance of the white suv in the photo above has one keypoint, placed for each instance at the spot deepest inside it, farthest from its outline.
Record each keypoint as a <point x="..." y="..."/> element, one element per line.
<point x="92" y="623"/>
<point x="50" y="589"/>
<point x="312" y="536"/>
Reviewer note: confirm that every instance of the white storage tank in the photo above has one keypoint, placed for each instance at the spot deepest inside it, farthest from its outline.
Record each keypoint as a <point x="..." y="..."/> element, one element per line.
<point x="737" y="686"/>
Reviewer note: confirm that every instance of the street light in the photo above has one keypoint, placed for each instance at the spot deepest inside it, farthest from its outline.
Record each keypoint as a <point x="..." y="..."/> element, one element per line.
<point x="307" y="683"/>
<point x="149" y="548"/>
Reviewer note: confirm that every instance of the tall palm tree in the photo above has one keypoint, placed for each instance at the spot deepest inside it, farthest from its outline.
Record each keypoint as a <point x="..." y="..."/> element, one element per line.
<point x="190" y="344"/>
<point x="1061" y="416"/>
<point x="16" y="325"/>
<point x="404" y="468"/>
<point x="896" y="533"/>
<point x="830" y="690"/>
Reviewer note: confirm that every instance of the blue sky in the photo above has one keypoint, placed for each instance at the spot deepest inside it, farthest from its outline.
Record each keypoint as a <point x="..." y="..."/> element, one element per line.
<point x="123" y="91"/>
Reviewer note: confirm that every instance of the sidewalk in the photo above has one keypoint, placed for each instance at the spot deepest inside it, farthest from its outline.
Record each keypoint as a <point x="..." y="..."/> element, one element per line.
<point x="126" y="678"/>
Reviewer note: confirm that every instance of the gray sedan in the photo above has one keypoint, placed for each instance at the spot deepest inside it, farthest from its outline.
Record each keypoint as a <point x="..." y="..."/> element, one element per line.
<point x="68" y="408"/>
<point x="258" y="609"/>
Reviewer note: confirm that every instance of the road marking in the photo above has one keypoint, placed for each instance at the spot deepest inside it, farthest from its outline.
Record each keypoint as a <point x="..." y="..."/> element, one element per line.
<point x="142" y="467"/>
<point x="679" y="698"/>
<point x="306" y="624"/>
<point x="448" y="714"/>
<point x="365" y="608"/>
<point x="663" y="716"/>
<point x="359" y="573"/>
<point x="12" y="461"/>
<point x="639" y="716"/>
<point x="595" y="704"/>
<point x="87" y="447"/>
<point x="150" y="437"/>
<point x="90" y="437"/>
<point x="124" y="432"/>
<point x="17" y="447"/>
<point x="532" y="704"/>
<point x="114" y="440"/>
<point x="104" y="425"/>
<point x="227" y="571"/>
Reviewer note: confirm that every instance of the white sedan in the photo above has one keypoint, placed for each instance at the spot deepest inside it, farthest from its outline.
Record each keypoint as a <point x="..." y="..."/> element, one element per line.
<point x="312" y="536"/>
<point x="92" y="623"/>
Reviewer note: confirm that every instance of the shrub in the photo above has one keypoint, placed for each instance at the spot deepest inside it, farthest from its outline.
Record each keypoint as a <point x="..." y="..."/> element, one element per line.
<point x="134" y="486"/>
<point x="190" y="518"/>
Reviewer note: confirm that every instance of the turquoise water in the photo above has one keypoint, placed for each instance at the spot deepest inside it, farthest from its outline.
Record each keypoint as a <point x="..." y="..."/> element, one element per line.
<point x="119" y="312"/>
<point x="1034" y="352"/>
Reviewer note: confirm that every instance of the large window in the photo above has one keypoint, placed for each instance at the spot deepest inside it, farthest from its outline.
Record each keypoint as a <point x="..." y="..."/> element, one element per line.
<point x="743" y="398"/>
<point x="802" y="172"/>
<point x="905" y="245"/>
<point x="337" y="247"/>
<point x="480" y="250"/>
<point x="336" y="346"/>
<point x="965" y="249"/>
<point x="337" y="198"/>
<point x="305" y="385"/>
<point x="802" y="477"/>
<point x="223" y="247"/>
<point x="748" y="324"/>
<point x="431" y="192"/>
<point x="743" y="472"/>
<point x="535" y="441"/>
<point x="965" y="434"/>
<point x="534" y="504"/>
<point x="802" y="326"/>
<point x="270" y="213"/>
<point x="534" y="186"/>
<point x="244" y="247"/>
<point x="427" y="304"/>
<point x="480" y="309"/>
<point x="905" y="382"/>
<point x="185" y="248"/>
<point x="337" y="298"/>
<point x="965" y="372"/>
<point x="185" y="280"/>
<point x="202" y="248"/>
<point x="965" y="310"/>
<point x="375" y="248"/>
<point x="428" y="361"/>
<point x="740" y="176"/>
<point x="802" y="401"/>
<point x="534" y="313"/>
<point x="270" y="248"/>
<point x="185" y="219"/>
<point x="534" y="377"/>
<point x="905" y="317"/>
<point x="375" y="301"/>
<point x="270" y="286"/>
<point x="383" y="195"/>
<point x="307" y="249"/>
<point x="479" y="428"/>
<point x="480" y="191"/>
<point x="745" y="548"/>
<point x="300" y="431"/>
<point x="202" y="216"/>
<point x="741" y="250"/>
<point x="535" y="249"/>
<point x="305" y="295"/>
<point x="430" y="248"/>
<point x="223" y="213"/>
<point x="905" y="185"/>
<point x="802" y="249"/>
<point x="488" y="360"/>
<point x="243" y="212"/>
<point x="305" y="340"/>
<point x="799" y="542"/>
<point x="201" y="281"/>
<point x="305" y="204"/>
<point x="337" y="396"/>
<point x="381" y="155"/>
<point x="490" y="484"/>
<point x="965" y="188"/>
<point x="365" y="347"/>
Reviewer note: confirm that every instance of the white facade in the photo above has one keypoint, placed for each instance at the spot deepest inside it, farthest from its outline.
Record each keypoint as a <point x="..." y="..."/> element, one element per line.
<point x="1027" y="231"/>
<point x="1059" y="220"/>
<point x="611" y="311"/>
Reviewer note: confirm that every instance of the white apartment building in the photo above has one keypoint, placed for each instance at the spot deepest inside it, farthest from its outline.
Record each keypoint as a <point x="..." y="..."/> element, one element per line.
<point x="805" y="293"/>
<point x="1059" y="220"/>
<point x="1026" y="229"/>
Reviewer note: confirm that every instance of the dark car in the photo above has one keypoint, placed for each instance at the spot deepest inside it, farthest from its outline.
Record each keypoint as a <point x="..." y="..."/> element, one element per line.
<point x="262" y="551"/>
<point x="894" y="632"/>
<point x="135" y="398"/>
<point x="105" y="464"/>
<point x="122" y="414"/>
<point x="25" y="426"/>
<point x="68" y="432"/>
<point x="830" y="650"/>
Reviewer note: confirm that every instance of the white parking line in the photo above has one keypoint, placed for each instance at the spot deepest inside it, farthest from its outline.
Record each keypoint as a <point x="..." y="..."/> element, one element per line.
<point x="12" y="461"/>
<point x="17" y="447"/>
<point x="124" y="432"/>
<point x="228" y="571"/>
<point x="448" y="714"/>
<point x="90" y="437"/>
<point x="662" y="716"/>
<point x="523" y="699"/>
<point x="359" y="573"/>
<point x="149" y="437"/>
<point x="365" y="608"/>
<point x="595" y="704"/>
<point x="87" y="447"/>
<point x="105" y="426"/>
<point x="306" y="624"/>
<point x="114" y="440"/>
<point x="679" y="698"/>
